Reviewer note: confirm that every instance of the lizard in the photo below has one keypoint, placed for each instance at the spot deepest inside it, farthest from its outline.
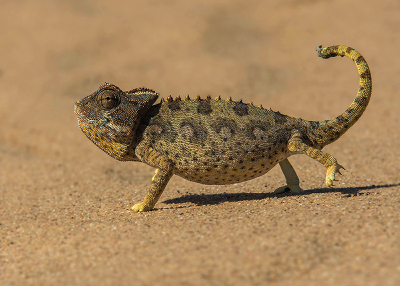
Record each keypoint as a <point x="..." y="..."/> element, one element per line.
<point x="213" y="142"/>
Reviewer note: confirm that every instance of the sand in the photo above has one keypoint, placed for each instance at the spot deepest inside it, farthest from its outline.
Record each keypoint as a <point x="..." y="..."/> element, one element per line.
<point x="65" y="215"/>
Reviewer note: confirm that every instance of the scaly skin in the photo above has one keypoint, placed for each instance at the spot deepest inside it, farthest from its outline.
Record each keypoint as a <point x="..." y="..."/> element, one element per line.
<point x="213" y="141"/>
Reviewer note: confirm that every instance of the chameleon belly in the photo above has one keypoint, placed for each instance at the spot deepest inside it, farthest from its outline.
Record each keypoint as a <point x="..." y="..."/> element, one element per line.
<point x="237" y="172"/>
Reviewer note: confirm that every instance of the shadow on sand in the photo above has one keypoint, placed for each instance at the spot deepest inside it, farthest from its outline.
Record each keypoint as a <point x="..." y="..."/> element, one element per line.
<point x="214" y="199"/>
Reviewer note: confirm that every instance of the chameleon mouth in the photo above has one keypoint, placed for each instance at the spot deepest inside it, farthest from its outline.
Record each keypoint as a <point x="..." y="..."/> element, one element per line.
<point x="112" y="148"/>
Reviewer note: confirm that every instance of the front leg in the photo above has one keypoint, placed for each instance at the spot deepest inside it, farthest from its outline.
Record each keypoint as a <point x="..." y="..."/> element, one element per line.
<point x="160" y="179"/>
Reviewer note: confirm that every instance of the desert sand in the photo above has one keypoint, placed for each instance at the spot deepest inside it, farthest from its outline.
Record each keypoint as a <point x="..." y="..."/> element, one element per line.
<point x="65" y="206"/>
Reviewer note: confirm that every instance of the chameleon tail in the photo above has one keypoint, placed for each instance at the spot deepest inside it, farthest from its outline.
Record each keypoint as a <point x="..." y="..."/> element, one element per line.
<point x="331" y="130"/>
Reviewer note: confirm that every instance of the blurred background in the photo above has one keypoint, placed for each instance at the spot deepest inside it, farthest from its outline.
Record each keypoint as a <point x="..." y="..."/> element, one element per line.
<point x="53" y="179"/>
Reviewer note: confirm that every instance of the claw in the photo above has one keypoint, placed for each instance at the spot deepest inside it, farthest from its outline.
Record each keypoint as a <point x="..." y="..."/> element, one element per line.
<point x="338" y="169"/>
<point x="330" y="174"/>
<point x="142" y="207"/>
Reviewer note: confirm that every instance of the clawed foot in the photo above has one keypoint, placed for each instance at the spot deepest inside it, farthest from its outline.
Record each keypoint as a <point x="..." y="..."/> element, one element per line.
<point x="142" y="207"/>
<point x="330" y="174"/>
<point x="289" y="188"/>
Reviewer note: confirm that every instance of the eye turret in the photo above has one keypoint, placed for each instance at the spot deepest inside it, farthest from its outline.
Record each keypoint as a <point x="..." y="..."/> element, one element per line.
<point x="108" y="98"/>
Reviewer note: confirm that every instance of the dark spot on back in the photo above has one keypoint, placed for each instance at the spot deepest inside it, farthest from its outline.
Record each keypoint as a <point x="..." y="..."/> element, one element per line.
<point x="158" y="127"/>
<point x="197" y="131"/>
<point x="349" y="50"/>
<point x="174" y="105"/>
<point x="280" y="118"/>
<point x="219" y="123"/>
<point x="204" y="107"/>
<point x="251" y="128"/>
<point x="240" y="108"/>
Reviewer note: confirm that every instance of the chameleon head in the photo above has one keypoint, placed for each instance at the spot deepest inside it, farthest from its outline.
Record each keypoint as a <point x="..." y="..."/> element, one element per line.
<point x="109" y="117"/>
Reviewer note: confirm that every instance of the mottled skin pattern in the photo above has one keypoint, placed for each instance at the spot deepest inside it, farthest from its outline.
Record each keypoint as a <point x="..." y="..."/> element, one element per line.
<point x="213" y="141"/>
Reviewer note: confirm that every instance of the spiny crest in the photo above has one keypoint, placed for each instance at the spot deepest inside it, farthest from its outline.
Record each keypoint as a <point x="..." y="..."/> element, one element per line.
<point x="170" y="99"/>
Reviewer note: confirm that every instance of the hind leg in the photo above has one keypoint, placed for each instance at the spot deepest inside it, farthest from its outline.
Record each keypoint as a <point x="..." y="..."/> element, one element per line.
<point x="333" y="167"/>
<point x="292" y="180"/>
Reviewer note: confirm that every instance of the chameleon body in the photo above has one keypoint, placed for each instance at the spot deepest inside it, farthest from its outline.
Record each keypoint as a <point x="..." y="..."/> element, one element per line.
<point x="213" y="141"/>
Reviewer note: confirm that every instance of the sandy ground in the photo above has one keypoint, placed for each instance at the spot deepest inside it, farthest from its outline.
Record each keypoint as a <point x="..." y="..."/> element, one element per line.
<point x="65" y="215"/>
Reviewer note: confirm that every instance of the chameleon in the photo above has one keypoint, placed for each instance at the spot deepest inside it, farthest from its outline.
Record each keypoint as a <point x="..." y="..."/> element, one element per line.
<point x="213" y="142"/>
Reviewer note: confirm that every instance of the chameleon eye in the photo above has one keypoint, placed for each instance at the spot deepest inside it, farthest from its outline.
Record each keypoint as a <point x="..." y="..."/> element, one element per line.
<point x="108" y="98"/>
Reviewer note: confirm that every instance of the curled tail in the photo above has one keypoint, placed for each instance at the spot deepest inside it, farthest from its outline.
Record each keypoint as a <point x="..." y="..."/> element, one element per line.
<point x="330" y="130"/>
